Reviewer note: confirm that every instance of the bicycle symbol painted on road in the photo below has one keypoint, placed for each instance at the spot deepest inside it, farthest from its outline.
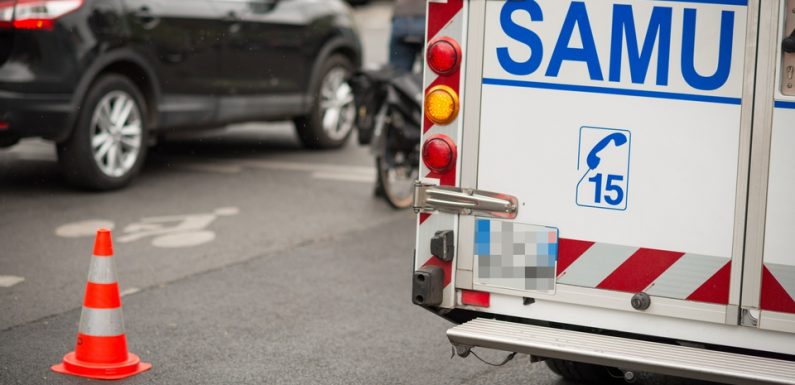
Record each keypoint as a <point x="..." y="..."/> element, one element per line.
<point x="166" y="231"/>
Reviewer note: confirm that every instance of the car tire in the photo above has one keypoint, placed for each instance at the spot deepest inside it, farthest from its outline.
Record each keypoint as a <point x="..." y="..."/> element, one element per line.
<point x="108" y="144"/>
<point x="582" y="372"/>
<point x="323" y="128"/>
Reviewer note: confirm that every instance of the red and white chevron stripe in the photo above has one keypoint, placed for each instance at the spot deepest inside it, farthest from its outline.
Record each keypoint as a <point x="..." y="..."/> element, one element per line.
<point x="778" y="288"/>
<point x="444" y="18"/>
<point x="662" y="273"/>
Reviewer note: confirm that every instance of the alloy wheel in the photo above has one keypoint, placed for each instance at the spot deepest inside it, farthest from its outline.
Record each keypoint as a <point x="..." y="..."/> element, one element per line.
<point x="337" y="108"/>
<point x="116" y="133"/>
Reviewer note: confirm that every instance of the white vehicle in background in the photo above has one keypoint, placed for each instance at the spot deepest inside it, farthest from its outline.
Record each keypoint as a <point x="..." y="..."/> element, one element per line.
<point x="609" y="185"/>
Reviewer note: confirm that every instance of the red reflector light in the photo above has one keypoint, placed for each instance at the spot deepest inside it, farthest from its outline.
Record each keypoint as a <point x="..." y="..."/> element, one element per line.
<point x="475" y="298"/>
<point x="439" y="153"/>
<point x="33" y="24"/>
<point x="443" y="55"/>
<point x="39" y="14"/>
<point x="3" y="126"/>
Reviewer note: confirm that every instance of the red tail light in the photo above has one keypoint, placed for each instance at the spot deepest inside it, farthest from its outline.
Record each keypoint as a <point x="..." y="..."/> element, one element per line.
<point x="41" y="14"/>
<point x="6" y="13"/>
<point x="444" y="55"/>
<point x="439" y="153"/>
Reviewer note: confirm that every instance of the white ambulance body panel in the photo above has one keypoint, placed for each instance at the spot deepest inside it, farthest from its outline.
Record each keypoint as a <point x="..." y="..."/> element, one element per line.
<point x="665" y="81"/>
<point x="777" y="299"/>
<point x="780" y="226"/>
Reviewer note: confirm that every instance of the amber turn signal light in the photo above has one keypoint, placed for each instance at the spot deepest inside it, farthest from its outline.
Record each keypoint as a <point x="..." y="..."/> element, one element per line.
<point x="441" y="105"/>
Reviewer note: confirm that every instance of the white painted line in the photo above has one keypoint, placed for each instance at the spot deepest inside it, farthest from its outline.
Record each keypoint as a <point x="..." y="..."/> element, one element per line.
<point x="36" y="156"/>
<point x="309" y="167"/>
<point x="219" y="168"/>
<point x="129" y="291"/>
<point x="359" y="178"/>
<point x="84" y="228"/>
<point x="10" y="280"/>
<point x="223" y="211"/>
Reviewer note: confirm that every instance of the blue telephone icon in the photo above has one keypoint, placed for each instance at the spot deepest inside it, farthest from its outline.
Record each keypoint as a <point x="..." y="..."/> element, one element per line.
<point x="605" y="183"/>
<point x="593" y="157"/>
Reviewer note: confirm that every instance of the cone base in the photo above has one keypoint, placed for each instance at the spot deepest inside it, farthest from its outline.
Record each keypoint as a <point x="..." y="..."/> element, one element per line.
<point x="72" y="366"/>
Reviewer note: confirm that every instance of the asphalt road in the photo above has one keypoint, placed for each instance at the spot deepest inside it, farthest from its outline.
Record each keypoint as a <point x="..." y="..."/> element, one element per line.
<point x="242" y="257"/>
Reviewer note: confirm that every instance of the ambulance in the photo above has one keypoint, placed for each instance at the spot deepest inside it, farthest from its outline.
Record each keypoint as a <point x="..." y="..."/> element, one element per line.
<point x="609" y="185"/>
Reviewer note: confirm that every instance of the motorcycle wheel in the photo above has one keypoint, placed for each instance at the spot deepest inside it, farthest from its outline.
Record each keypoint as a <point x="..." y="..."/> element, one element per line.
<point x="397" y="184"/>
<point x="397" y="172"/>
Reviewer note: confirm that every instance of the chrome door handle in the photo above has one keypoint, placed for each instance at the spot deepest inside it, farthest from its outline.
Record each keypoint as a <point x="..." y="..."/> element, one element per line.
<point x="464" y="201"/>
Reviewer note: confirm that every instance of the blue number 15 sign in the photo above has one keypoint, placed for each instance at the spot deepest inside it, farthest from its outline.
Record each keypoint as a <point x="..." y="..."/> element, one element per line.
<point x="603" y="166"/>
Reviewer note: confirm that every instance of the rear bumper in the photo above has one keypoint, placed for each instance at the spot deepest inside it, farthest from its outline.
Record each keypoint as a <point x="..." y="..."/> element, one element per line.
<point x="35" y="115"/>
<point x="621" y="352"/>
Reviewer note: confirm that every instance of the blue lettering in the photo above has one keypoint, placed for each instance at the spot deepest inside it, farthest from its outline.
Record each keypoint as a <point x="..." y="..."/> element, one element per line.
<point x="577" y="17"/>
<point x="522" y="35"/>
<point x="721" y="74"/>
<point x="639" y="58"/>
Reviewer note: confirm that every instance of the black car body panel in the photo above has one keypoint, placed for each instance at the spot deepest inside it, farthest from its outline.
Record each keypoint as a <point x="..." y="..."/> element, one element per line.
<point x="199" y="63"/>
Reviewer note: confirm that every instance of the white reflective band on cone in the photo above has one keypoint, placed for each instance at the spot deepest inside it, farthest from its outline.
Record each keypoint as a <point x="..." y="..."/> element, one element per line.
<point x="101" y="322"/>
<point x="101" y="270"/>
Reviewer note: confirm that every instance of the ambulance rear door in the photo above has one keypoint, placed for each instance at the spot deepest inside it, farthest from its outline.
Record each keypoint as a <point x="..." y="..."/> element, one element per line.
<point x="623" y="129"/>
<point x="768" y="298"/>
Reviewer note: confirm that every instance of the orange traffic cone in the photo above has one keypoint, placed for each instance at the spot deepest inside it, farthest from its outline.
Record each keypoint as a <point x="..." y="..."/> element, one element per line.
<point x="101" y="349"/>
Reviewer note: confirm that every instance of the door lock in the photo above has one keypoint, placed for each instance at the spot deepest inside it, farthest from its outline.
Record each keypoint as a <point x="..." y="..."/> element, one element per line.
<point x="788" y="45"/>
<point x="788" y="51"/>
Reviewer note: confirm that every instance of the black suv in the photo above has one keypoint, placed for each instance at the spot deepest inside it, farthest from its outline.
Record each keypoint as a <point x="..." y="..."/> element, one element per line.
<point x="103" y="78"/>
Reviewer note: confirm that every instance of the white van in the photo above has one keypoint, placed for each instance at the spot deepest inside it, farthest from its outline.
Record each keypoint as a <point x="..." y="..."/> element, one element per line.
<point x="610" y="184"/>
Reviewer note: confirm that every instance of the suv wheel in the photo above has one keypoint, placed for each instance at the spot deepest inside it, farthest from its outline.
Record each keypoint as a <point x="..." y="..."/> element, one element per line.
<point x="332" y="114"/>
<point x="108" y="145"/>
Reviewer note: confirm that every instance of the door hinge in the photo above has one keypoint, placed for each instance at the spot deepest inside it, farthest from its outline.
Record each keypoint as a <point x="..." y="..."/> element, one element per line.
<point x="749" y="317"/>
<point x="464" y="201"/>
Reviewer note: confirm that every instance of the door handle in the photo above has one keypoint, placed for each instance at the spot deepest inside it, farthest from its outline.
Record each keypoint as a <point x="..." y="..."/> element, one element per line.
<point x="145" y="17"/>
<point x="231" y="16"/>
<point x="464" y="201"/>
<point x="234" y="21"/>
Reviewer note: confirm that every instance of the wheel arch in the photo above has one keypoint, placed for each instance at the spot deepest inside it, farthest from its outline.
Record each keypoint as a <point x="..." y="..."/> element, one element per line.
<point x="125" y="62"/>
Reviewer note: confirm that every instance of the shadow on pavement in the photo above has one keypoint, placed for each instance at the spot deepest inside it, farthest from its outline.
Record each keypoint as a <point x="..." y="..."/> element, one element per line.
<point x="241" y="142"/>
<point x="32" y="166"/>
<point x="25" y="175"/>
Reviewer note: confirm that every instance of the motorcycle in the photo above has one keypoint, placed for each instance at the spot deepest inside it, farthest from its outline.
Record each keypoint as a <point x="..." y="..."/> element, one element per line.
<point x="389" y="120"/>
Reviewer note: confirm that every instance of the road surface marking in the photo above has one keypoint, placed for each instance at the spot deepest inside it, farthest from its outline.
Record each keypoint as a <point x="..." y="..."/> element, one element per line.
<point x="344" y="177"/>
<point x="308" y="167"/>
<point x="219" y="168"/>
<point x="36" y="156"/>
<point x="226" y="211"/>
<point x="129" y="291"/>
<point x="166" y="231"/>
<point x="84" y="228"/>
<point x="10" y="280"/>
<point x="320" y="170"/>
<point x="183" y="239"/>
